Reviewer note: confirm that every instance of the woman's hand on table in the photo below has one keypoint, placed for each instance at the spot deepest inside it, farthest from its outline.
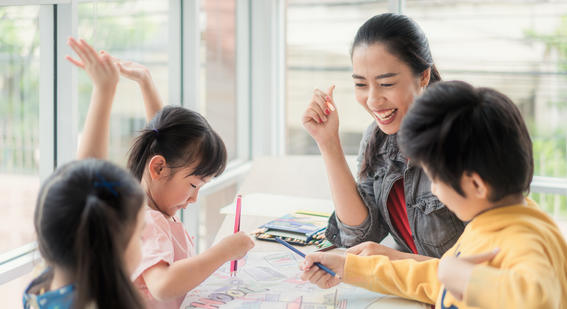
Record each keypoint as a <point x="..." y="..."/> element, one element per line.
<point x="371" y="248"/>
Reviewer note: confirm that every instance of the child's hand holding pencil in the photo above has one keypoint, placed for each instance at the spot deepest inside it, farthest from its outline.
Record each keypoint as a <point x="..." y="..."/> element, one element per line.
<point x="317" y="276"/>
<point x="235" y="246"/>
<point x="234" y="263"/>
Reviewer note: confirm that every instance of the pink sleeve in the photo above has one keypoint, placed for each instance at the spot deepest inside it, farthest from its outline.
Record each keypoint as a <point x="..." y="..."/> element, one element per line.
<point x="156" y="242"/>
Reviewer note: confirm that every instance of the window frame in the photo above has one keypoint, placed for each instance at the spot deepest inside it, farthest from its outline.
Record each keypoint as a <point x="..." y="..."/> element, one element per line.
<point x="59" y="97"/>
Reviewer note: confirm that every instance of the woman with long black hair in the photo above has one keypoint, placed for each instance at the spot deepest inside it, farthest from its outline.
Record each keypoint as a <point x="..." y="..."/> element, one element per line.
<point x="392" y="64"/>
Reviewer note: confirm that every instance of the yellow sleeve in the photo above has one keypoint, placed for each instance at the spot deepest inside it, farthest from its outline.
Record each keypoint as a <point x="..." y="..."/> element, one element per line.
<point x="527" y="281"/>
<point x="405" y="278"/>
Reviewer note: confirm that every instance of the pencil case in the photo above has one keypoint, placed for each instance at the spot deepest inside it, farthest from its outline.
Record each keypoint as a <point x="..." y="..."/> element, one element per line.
<point x="299" y="229"/>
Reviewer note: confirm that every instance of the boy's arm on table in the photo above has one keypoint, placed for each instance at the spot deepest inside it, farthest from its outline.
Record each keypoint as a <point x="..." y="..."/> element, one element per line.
<point x="104" y="74"/>
<point x="169" y="281"/>
<point x="526" y="280"/>
<point x="405" y="278"/>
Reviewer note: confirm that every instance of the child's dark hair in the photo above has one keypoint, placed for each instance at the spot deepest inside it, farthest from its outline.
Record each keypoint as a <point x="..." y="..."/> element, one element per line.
<point x="85" y="216"/>
<point x="403" y="38"/>
<point x="454" y="128"/>
<point x="182" y="137"/>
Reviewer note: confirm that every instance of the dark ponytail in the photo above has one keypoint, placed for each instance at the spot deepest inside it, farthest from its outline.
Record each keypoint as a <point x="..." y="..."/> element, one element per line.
<point x="85" y="217"/>
<point x="141" y="151"/>
<point x="404" y="39"/>
<point x="183" y="137"/>
<point x="435" y="76"/>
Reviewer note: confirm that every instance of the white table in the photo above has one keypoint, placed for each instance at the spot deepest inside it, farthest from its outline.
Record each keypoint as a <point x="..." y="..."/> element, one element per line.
<point x="279" y="185"/>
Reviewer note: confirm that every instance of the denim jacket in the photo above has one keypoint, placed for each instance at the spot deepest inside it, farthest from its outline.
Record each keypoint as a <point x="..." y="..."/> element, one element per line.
<point x="434" y="227"/>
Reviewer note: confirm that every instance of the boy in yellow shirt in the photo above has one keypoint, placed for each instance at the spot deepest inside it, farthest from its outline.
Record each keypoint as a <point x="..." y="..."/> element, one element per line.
<point x="475" y="147"/>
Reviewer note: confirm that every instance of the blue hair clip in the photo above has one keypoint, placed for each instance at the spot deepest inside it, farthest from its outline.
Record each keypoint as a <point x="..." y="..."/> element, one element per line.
<point x="106" y="184"/>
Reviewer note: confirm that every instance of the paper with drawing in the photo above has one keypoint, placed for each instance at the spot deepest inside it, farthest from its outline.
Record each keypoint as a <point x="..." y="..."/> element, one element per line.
<point x="271" y="280"/>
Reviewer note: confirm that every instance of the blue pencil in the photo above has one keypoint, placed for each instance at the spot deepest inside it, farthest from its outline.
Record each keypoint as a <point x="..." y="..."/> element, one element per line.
<point x="323" y="267"/>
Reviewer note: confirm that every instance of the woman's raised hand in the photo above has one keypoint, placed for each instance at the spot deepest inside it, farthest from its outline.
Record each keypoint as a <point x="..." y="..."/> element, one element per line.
<point x="320" y="118"/>
<point x="100" y="67"/>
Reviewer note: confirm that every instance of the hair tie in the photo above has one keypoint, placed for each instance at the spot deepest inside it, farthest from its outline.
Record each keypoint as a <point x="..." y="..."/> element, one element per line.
<point x="106" y="184"/>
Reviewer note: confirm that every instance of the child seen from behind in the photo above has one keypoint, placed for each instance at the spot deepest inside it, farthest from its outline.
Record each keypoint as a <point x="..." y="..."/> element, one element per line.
<point x="89" y="220"/>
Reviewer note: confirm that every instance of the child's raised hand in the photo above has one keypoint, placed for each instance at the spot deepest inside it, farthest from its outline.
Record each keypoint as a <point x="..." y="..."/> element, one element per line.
<point x="320" y="119"/>
<point x="99" y="66"/>
<point x="455" y="272"/>
<point x="317" y="276"/>
<point x="134" y="71"/>
<point x="237" y="245"/>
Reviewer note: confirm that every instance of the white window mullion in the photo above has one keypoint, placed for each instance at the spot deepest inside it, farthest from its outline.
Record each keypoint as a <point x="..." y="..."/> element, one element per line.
<point x="18" y="262"/>
<point x="32" y="2"/>
<point x="46" y="91"/>
<point x="279" y="75"/>
<point x="397" y="6"/>
<point x="174" y="53"/>
<point x="243" y="102"/>
<point x="552" y="185"/>
<point x="191" y="84"/>
<point x="66" y="94"/>
<point x="268" y="66"/>
<point x="191" y="60"/>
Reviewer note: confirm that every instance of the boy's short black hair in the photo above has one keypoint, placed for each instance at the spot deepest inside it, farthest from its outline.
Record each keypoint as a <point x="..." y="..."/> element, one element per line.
<point x="454" y="128"/>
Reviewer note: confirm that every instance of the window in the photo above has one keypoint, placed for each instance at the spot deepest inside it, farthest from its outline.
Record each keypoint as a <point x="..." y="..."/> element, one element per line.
<point x="218" y="69"/>
<point x="319" y="38"/>
<point x="132" y="31"/>
<point x="518" y="48"/>
<point x="154" y="33"/>
<point x="19" y="124"/>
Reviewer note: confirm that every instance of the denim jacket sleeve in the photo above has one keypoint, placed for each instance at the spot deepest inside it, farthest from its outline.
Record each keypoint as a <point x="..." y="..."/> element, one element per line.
<point x="373" y="228"/>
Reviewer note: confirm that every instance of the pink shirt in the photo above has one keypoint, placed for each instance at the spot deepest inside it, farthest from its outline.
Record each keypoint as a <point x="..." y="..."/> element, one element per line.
<point x="163" y="239"/>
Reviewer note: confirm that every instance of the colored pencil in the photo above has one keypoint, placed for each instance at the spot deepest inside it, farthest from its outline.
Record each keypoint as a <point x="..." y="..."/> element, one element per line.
<point x="234" y="263"/>
<point x="292" y="248"/>
<point x="313" y="213"/>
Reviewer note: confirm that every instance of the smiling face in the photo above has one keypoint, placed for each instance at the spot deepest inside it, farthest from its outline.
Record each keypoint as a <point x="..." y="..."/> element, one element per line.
<point x="384" y="85"/>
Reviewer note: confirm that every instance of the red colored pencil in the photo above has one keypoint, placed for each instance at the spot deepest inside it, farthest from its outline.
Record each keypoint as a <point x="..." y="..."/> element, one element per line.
<point x="234" y="263"/>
